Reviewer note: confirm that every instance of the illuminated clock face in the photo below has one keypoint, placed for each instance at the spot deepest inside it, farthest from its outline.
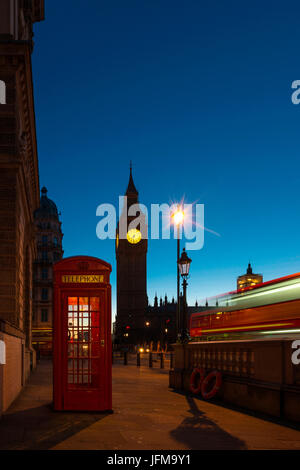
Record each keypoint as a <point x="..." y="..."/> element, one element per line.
<point x="134" y="236"/>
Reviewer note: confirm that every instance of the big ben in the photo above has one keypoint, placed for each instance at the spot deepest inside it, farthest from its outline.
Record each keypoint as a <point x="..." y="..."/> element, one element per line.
<point x="131" y="254"/>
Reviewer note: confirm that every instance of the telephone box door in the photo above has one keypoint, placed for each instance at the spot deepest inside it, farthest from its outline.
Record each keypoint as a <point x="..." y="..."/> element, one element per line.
<point x="83" y="358"/>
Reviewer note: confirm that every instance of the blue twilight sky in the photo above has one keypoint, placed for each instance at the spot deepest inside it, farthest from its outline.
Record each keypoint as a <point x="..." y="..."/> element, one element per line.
<point x="198" y="95"/>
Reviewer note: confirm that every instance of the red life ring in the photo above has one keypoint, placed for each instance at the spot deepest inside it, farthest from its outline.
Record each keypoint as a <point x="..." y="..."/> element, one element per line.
<point x="209" y="394"/>
<point x="196" y="380"/>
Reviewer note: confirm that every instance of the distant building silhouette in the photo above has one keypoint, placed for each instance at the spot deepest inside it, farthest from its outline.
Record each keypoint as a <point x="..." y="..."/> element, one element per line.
<point x="49" y="249"/>
<point x="249" y="279"/>
<point x="161" y="320"/>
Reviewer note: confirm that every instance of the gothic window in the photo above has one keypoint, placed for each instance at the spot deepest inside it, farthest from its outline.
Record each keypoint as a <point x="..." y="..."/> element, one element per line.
<point x="2" y="92"/>
<point x="44" y="239"/>
<point x="44" y="255"/>
<point x="55" y="256"/>
<point x="44" y="316"/>
<point x="55" y="241"/>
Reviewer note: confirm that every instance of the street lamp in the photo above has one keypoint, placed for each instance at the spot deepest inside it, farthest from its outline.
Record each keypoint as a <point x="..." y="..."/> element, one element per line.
<point x="184" y="266"/>
<point x="178" y="218"/>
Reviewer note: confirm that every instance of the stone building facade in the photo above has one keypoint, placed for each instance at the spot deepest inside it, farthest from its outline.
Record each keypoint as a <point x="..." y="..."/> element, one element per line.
<point x="249" y="279"/>
<point x="49" y="250"/>
<point x="19" y="191"/>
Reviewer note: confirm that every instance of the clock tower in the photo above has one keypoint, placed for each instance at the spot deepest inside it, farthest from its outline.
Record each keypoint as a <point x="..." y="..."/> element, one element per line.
<point x="131" y="254"/>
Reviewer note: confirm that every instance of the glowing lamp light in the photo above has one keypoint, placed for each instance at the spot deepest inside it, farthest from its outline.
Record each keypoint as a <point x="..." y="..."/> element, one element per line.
<point x="178" y="217"/>
<point x="141" y="350"/>
<point x="147" y="323"/>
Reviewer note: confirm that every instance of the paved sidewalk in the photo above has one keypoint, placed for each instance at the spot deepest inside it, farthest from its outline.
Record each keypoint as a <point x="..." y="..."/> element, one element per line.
<point x="147" y="415"/>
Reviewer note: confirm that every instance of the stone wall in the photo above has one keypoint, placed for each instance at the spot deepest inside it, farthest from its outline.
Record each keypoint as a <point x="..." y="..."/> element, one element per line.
<point x="18" y="365"/>
<point x="12" y="372"/>
<point x="19" y="192"/>
<point x="257" y="375"/>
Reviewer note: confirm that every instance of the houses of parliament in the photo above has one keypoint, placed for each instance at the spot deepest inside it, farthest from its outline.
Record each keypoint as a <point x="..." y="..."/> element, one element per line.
<point x="138" y="322"/>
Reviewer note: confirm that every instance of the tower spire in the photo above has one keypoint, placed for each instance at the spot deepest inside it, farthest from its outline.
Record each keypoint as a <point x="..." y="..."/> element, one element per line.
<point x="131" y="189"/>
<point x="44" y="191"/>
<point x="249" y="269"/>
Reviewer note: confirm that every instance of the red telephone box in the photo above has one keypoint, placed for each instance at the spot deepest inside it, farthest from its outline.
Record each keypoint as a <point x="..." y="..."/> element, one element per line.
<point x="82" y="335"/>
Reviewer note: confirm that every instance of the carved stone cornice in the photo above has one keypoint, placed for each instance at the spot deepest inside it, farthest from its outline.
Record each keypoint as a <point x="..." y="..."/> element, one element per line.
<point x="19" y="18"/>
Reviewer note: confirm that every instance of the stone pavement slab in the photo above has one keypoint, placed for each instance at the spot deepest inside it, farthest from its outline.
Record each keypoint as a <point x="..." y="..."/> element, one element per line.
<point x="147" y="415"/>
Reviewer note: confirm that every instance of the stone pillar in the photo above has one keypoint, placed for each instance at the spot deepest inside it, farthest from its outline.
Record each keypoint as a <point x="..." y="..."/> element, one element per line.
<point x="176" y="375"/>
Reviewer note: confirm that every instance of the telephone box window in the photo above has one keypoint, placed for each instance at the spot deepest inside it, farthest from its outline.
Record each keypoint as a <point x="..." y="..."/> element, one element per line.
<point x="83" y="341"/>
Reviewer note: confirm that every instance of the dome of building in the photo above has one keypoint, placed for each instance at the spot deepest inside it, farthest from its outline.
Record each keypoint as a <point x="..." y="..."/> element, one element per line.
<point x="47" y="207"/>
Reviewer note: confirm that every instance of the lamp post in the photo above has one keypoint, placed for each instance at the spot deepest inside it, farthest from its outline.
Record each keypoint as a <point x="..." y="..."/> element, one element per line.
<point x="184" y="266"/>
<point x="178" y="217"/>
